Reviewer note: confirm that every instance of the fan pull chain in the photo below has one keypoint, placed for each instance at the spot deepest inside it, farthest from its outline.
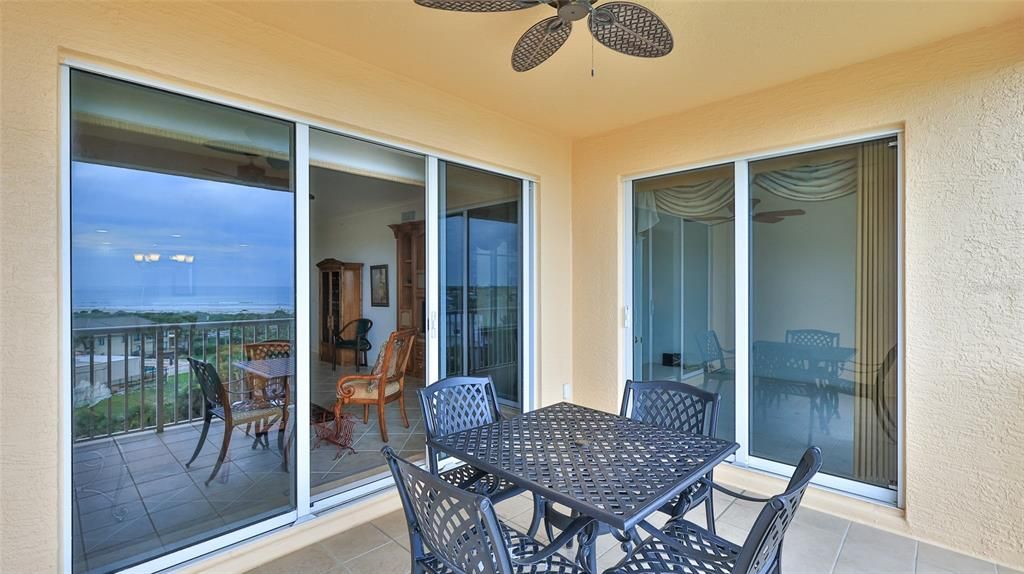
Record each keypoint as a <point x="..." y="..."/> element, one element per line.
<point x="591" y="56"/>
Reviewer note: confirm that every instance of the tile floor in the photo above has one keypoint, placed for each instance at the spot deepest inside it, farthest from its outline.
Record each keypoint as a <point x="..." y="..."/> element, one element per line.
<point x="817" y="543"/>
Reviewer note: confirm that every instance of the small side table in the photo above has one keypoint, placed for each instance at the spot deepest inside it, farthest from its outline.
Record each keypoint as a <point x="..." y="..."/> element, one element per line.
<point x="327" y="429"/>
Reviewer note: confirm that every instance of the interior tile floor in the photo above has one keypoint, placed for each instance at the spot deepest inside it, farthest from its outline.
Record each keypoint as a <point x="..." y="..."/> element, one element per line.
<point x="817" y="543"/>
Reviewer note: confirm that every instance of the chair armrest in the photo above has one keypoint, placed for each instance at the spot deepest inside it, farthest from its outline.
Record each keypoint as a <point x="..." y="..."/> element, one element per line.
<point x="343" y="391"/>
<point x="735" y="494"/>
<point x="561" y="540"/>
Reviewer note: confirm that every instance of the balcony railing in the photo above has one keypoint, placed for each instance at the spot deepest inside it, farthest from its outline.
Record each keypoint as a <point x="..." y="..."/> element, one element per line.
<point x="129" y="379"/>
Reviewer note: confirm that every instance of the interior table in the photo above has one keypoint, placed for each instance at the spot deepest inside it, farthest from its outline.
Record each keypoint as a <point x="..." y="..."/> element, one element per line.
<point x="607" y="468"/>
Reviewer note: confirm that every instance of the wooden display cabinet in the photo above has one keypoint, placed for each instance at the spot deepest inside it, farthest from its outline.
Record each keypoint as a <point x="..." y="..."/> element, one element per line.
<point x="341" y="301"/>
<point x="411" y="281"/>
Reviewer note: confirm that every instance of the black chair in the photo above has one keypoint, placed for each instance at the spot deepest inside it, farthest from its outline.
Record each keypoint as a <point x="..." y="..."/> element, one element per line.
<point x="359" y="342"/>
<point x="681" y="407"/>
<point x="452" y="530"/>
<point x="455" y="404"/>
<point x="685" y="547"/>
<point x="713" y="358"/>
<point x="219" y="402"/>
<point x="832" y="384"/>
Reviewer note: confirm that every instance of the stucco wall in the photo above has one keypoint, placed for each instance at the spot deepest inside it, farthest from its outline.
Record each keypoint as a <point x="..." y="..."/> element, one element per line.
<point x="213" y="50"/>
<point x="961" y="103"/>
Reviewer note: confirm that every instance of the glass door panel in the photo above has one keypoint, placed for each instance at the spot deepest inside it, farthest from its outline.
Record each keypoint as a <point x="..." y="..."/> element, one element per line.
<point x="823" y="309"/>
<point x="367" y="274"/>
<point x="683" y="290"/>
<point x="182" y="262"/>
<point x="481" y="280"/>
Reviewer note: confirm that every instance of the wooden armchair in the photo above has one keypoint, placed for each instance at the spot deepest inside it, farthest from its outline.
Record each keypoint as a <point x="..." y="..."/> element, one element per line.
<point x="381" y="386"/>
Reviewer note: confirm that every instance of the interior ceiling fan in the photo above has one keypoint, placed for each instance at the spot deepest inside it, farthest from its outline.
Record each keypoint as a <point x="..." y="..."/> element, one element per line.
<point x="250" y="172"/>
<point x="622" y="26"/>
<point x="762" y="217"/>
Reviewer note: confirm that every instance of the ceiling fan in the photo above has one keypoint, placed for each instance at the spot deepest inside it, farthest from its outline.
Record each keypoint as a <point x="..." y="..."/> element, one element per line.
<point x="622" y="26"/>
<point x="762" y="217"/>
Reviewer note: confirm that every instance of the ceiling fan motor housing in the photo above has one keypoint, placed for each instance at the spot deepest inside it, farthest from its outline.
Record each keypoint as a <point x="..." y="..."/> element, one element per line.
<point x="573" y="10"/>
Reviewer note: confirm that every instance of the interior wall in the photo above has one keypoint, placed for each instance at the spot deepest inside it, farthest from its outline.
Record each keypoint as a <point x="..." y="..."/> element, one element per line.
<point x="961" y="103"/>
<point x="206" y="48"/>
<point x="365" y="238"/>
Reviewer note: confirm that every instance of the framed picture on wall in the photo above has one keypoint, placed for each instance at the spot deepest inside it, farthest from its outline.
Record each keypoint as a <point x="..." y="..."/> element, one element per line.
<point x="379" y="285"/>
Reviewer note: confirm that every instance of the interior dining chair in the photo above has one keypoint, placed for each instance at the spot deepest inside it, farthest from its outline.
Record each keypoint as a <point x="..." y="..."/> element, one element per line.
<point x="829" y="399"/>
<point x="456" y="404"/>
<point x="384" y="384"/>
<point x="274" y="390"/>
<point x="452" y="530"/>
<point x="684" y="547"/>
<point x="681" y="407"/>
<point x="359" y="342"/>
<point x="221" y="402"/>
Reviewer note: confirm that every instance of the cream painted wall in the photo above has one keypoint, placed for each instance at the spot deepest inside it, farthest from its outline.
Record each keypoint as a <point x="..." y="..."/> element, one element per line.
<point x="215" y="51"/>
<point x="961" y="103"/>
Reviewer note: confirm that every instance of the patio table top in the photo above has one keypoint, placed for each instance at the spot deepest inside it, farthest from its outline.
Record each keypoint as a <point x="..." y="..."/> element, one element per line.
<point x="275" y="368"/>
<point x="607" y="467"/>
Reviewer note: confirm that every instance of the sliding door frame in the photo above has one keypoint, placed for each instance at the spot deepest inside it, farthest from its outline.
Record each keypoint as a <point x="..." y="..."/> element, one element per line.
<point x="742" y="253"/>
<point x="305" y="508"/>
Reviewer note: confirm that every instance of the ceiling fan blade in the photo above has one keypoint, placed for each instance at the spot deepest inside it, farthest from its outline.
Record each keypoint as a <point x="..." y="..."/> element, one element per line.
<point x="631" y="29"/>
<point x="539" y="42"/>
<point x="762" y="218"/>
<point x="783" y="212"/>
<point x="479" y="5"/>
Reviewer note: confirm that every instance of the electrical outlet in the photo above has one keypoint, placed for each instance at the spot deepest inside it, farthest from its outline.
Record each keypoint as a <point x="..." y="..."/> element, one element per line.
<point x="567" y="391"/>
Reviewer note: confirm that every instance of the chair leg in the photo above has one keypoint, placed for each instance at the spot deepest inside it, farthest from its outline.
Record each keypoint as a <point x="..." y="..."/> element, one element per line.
<point x="538" y="515"/>
<point x="366" y="414"/>
<point x="202" y="438"/>
<point x="383" y="423"/>
<point x="228" y="428"/>
<point x="709" y="512"/>
<point x="401" y="405"/>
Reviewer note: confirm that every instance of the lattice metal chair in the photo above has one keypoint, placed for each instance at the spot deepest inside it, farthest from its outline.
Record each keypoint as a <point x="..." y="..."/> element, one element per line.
<point x="245" y="409"/>
<point x="686" y="548"/>
<point x="681" y="407"/>
<point x="830" y="392"/>
<point x="714" y="357"/>
<point x="452" y="530"/>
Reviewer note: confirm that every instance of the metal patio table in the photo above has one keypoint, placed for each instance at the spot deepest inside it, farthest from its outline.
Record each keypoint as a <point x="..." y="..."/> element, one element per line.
<point x="607" y="468"/>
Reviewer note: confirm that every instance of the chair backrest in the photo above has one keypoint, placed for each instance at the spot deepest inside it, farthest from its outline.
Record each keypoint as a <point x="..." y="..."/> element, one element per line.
<point x="710" y="351"/>
<point x="764" y="542"/>
<point x="209" y="382"/>
<point x="672" y="405"/>
<point x="459" y="529"/>
<point x="455" y="404"/>
<point x="270" y="349"/>
<point x="394" y="356"/>
<point x="361" y="328"/>
<point x="812" y="337"/>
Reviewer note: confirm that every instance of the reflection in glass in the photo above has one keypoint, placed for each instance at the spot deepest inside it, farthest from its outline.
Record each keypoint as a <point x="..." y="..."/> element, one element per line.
<point x="366" y="212"/>
<point x="182" y="226"/>
<point x="481" y="281"/>
<point x="823" y="309"/>
<point x="683" y="296"/>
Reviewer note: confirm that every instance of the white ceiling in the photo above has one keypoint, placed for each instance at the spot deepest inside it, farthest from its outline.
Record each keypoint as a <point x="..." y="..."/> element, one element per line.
<point x="722" y="49"/>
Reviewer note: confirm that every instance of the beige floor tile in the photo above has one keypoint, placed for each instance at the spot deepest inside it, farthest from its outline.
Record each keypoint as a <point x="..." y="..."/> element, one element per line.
<point x="871" y="551"/>
<point x="354" y="542"/>
<point x="310" y="560"/>
<point x="1008" y="570"/>
<point x="812" y="543"/>
<point x="936" y="560"/>
<point x="395" y="526"/>
<point x="388" y="559"/>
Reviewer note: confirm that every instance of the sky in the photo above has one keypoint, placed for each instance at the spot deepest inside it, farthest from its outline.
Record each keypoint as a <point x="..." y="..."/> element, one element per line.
<point x="240" y="238"/>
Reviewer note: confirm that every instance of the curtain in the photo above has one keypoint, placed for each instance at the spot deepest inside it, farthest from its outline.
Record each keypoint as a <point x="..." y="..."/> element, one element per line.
<point x="874" y="427"/>
<point x="815" y="182"/>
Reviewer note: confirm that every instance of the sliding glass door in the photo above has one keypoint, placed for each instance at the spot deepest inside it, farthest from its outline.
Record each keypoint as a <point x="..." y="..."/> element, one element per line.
<point x="481" y="278"/>
<point x="182" y="268"/>
<point x="683" y="295"/>
<point x="816" y="364"/>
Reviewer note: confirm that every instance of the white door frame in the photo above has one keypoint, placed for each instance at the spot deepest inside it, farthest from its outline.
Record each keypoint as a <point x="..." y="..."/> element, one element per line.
<point x="742" y="249"/>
